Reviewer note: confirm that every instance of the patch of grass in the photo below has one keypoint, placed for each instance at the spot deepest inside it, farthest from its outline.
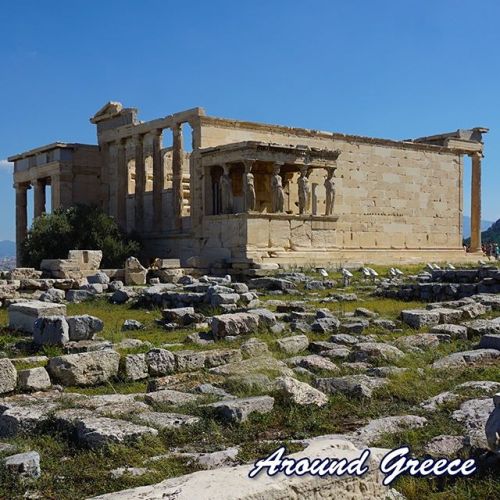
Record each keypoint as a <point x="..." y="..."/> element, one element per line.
<point x="117" y="387"/>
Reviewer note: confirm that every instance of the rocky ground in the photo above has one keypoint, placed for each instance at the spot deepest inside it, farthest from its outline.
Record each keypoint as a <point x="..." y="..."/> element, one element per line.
<point x="108" y="387"/>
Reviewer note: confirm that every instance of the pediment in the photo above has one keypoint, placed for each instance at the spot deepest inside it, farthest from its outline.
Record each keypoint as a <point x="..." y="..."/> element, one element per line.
<point x="109" y="110"/>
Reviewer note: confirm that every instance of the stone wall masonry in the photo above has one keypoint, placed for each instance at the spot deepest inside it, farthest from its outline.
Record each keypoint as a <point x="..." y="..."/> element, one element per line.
<point x="389" y="194"/>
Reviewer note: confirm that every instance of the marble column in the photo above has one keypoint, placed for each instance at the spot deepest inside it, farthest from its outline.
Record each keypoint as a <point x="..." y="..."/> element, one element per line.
<point x="177" y="157"/>
<point x="39" y="197"/>
<point x="158" y="181"/>
<point x="21" y="219"/>
<point x="62" y="189"/>
<point x="475" y="240"/>
<point x="55" y="185"/>
<point x="105" y="177"/>
<point x="122" y="184"/>
<point x="140" y="182"/>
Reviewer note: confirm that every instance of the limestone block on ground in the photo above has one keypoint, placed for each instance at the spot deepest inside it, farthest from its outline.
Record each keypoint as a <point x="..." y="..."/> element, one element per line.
<point x="473" y="310"/>
<point x="206" y="484"/>
<point x="421" y="341"/>
<point x="51" y="330"/>
<point x="98" y="278"/>
<point x="463" y="359"/>
<point x="270" y="283"/>
<point x="375" y="429"/>
<point x="160" y="362"/>
<point x="169" y="397"/>
<point x="84" y="369"/>
<point x="53" y="295"/>
<point x="8" y="376"/>
<point x="265" y="317"/>
<point x="218" y="357"/>
<point x="121" y="296"/>
<point x="22" y="315"/>
<point x="84" y="327"/>
<point x="344" y="338"/>
<point x="372" y="351"/>
<point x="26" y="465"/>
<point x="180" y="315"/>
<point x="313" y="362"/>
<point x="300" y="392"/>
<point x="213" y="460"/>
<point x="131" y="325"/>
<point x="293" y="345"/>
<point x="326" y="325"/>
<point x="445" y="446"/>
<point x="115" y="285"/>
<point x="24" y="419"/>
<point x="33" y="379"/>
<point x="455" y="331"/>
<point x="473" y="415"/>
<point x="234" y="324"/>
<point x="351" y="385"/>
<point x="96" y="432"/>
<point x="492" y="426"/>
<point x="238" y="410"/>
<point x="253" y="365"/>
<point x="88" y="260"/>
<point x="78" y="346"/>
<point x="160" y="420"/>
<point x="490" y="341"/>
<point x="448" y="315"/>
<point x="134" y="367"/>
<point x="135" y="273"/>
<point x="319" y="346"/>
<point x="418" y="318"/>
<point x="167" y="275"/>
<point x="254" y="347"/>
<point x="481" y="327"/>
<point x="218" y="299"/>
<point x="189" y="360"/>
<point x="77" y="296"/>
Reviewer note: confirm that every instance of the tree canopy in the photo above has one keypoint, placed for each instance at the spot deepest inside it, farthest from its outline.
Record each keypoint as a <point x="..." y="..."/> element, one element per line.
<point x="81" y="227"/>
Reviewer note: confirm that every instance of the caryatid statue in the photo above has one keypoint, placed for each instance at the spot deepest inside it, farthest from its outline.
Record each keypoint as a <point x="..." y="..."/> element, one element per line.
<point x="330" y="191"/>
<point x="304" y="191"/>
<point x="249" y="186"/>
<point x="226" y="191"/>
<point x="278" y="195"/>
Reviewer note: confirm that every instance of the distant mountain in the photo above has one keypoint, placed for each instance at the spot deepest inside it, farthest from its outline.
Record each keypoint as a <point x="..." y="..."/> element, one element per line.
<point x="492" y="234"/>
<point x="485" y="224"/>
<point x="7" y="248"/>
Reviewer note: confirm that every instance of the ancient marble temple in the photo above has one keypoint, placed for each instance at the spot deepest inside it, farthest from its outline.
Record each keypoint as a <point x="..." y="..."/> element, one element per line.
<point x="245" y="194"/>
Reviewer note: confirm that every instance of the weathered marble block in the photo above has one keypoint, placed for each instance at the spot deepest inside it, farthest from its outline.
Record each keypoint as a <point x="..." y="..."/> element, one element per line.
<point x="22" y="316"/>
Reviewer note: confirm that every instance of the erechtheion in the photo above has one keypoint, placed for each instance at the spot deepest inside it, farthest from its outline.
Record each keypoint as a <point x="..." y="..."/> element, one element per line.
<point x="250" y="194"/>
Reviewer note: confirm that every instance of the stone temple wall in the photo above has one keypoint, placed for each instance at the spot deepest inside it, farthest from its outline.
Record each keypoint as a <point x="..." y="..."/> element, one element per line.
<point x="389" y="195"/>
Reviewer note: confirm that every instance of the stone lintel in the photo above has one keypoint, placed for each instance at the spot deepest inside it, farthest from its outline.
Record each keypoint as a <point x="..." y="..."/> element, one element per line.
<point x="147" y="127"/>
<point x="261" y="151"/>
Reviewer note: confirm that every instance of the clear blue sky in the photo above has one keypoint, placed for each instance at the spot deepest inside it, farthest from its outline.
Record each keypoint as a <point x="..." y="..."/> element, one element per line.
<point x="392" y="69"/>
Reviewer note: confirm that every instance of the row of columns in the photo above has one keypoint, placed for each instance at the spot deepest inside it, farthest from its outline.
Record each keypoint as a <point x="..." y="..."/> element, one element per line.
<point x="59" y="199"/>
<point x="158" y="179"/>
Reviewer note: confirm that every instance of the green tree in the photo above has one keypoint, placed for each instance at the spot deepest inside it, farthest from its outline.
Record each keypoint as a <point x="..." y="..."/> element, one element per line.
<point x="81" y="227"/>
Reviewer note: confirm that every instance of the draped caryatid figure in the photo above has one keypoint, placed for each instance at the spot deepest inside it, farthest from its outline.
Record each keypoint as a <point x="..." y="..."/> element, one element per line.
<point x="330" y="191"/>
<point x="304" y="191"/>
<point x="278" y="195"/>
